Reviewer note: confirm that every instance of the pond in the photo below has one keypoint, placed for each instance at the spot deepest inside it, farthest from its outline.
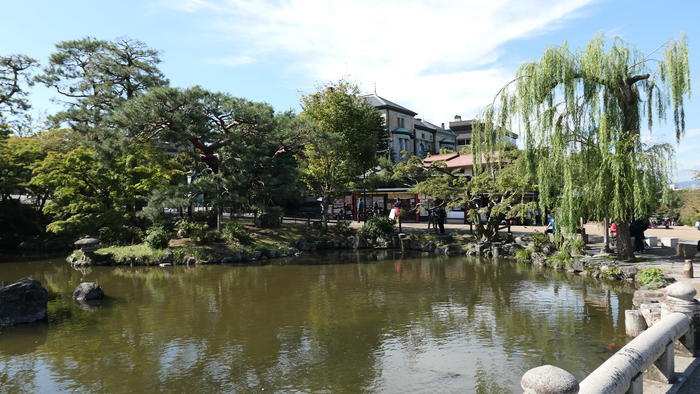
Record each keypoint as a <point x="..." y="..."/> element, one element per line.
<point x="330" y="322"/>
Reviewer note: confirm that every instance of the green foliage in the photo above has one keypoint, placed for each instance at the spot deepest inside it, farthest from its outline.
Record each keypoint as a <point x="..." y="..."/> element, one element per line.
<point x="342" y="227"/>
<point x="15" y="71"/>
<point x="20" y="222"/>
<point x="157" y="238"/>
<point x="648" y="276"/>
<point x="377" y="226"/>
<point x="690" y="206"/>
<point x="124" y="235"/>
<point x="243" y="153"/>
<point x="560" y="259"/>
<point x="497" y="192"/>
<point x="188" y="227"/>
<point x="199" y="232"/>
<point x="18" y="156"/>
<point x="581" y="113"/>
<point x="126" y="253"/>
<point x="87" y="195"/>
<point x="523" y="255"/>
<point x="574" y="246"/>
<point x="612" y="272"/>
<point x="95" y="77"/>
<point x="342" y="145"/>
<point x="234" y="232"/>
<point x="539" y="240"/>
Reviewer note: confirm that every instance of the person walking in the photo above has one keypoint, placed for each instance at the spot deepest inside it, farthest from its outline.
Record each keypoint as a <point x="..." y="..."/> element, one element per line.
<point x="697" y="224"/>
<point x="551" y="225"/>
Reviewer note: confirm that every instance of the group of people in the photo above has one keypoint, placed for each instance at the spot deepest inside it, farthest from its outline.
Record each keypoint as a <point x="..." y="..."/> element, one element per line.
<point x="637" y="229"/>
<point x="436" y="218"/>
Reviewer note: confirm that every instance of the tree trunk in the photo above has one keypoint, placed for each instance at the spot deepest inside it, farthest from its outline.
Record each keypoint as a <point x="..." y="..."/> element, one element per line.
<point x="625" y="249"/>
<point x="606" y="236"/>
<point x="325" y="204"/>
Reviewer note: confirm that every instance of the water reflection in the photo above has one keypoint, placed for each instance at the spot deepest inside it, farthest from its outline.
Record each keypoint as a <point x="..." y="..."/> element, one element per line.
<point x="340" y="322"/>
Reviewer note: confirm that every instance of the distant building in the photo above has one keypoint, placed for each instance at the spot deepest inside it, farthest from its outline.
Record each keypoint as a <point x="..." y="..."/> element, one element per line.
<point x="407" y="133"/>
<point x="465" y="128"/>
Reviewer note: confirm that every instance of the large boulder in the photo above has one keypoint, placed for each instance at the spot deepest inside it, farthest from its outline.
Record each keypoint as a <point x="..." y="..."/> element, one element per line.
<point x="88" y="291"/>
<point x="23" y="302"/>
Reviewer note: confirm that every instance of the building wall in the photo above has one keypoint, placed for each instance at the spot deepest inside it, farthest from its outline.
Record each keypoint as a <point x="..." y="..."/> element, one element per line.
<point x="394" y="122"/>
<point x="427" y="140"/>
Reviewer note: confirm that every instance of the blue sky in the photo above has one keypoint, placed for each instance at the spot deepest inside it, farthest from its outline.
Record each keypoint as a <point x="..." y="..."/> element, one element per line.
<point x="439" y="58"/>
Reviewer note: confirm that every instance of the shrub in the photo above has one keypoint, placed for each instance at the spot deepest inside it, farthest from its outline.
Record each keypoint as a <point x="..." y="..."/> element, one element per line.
<point x="198" y="232"/>
<point x="270" y="218"/>
<point x="157" y="238"/>
<point x="188" y="227"/>
<point x="539" y="240"/>
<point x="648" y="276"/>
<point x="124" y="235"/>
<point x="377" y="226"/>
<point x="343" y="228"/>
<point x="236" y="233"/>
<point x="561" y="259"/>
<point x="612" y="272"/>
<point x="574" y="246"/>
<point x="523" y="255"/>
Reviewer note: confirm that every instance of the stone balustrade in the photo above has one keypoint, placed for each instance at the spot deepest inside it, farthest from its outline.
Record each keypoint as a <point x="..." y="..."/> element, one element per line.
<point x="649" y="356"/>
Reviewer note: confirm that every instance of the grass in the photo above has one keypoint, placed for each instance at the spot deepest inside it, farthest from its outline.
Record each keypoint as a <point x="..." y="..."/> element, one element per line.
<point x="129" y="251"/>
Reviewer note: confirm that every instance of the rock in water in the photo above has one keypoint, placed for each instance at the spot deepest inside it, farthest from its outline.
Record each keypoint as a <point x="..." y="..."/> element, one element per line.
<point x="87" y="291"/>
<point x="23" y="302"/>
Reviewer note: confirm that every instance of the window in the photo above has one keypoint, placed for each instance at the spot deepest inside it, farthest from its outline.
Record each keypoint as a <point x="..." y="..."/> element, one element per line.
<point x="401" y="122"/>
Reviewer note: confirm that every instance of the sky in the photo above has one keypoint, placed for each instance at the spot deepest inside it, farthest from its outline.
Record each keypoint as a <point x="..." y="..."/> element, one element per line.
<point x="440" y="58"/>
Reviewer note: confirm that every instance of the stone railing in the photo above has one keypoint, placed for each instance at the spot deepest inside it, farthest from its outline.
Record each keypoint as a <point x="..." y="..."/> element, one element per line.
<point x="674" y="327"/>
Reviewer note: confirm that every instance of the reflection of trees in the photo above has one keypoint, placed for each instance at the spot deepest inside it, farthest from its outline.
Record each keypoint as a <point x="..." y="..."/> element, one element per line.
<point x="315" y="327"/>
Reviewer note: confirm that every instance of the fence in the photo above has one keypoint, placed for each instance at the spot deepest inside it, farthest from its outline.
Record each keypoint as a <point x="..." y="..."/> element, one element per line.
<point x="651" y="355"/>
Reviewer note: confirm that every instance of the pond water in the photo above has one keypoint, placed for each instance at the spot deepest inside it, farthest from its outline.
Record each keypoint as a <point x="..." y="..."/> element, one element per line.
<point x="333" y="322"/>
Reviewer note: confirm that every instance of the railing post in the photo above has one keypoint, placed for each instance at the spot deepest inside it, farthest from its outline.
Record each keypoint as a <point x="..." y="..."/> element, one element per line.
<point x="634" y="322"/>
<point x="680" y="297"/>
<point x="637" y="384"/>
<point x="664" y="367"/>
<point x="548" y="379"/>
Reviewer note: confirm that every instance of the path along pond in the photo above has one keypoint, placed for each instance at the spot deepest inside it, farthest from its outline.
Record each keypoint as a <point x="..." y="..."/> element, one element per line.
<point x="327" y="322"/>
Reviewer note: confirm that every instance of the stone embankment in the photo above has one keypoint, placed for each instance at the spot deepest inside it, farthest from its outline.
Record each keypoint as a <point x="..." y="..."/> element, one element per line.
<point x="535" y="250"/>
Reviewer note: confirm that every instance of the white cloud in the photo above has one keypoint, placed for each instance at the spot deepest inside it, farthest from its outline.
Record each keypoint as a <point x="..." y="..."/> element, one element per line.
<point x="435" y="57"/>
<point x="692" y="133"/>
<point x="232" y="61"/>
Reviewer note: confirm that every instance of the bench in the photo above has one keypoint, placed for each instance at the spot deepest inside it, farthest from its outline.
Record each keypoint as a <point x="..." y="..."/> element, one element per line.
<point x="652" y="241"/>
<point x="669" y="242"/>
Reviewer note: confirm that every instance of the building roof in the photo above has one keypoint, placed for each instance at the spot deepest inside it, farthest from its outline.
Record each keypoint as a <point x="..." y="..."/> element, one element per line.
<point x="455" y="160"/>
<point x="425" y="125"/>
<point x="382" y="103"/>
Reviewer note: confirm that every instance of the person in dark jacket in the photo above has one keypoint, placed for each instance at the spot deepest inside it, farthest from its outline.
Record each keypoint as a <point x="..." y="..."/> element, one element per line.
<point x="637" y="231"/>
<point x="440" y="216"/>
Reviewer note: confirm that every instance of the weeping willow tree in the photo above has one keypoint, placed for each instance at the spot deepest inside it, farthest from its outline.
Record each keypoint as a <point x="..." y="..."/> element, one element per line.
<point x="581" y="114"/>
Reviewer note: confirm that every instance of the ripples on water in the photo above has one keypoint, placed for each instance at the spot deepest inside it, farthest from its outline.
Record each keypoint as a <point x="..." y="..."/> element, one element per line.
<point x="367" y="322"/>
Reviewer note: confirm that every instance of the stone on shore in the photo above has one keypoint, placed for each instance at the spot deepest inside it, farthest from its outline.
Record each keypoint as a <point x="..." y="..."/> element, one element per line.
<point x="23" y="302"/>
<point x="549" y="379"/>
<point x="87" y="291"/>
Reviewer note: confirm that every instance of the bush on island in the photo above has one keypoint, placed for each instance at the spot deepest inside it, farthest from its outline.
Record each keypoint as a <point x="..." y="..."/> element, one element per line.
<point x="157" y="238"/>
<point x="377" y="226"/>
